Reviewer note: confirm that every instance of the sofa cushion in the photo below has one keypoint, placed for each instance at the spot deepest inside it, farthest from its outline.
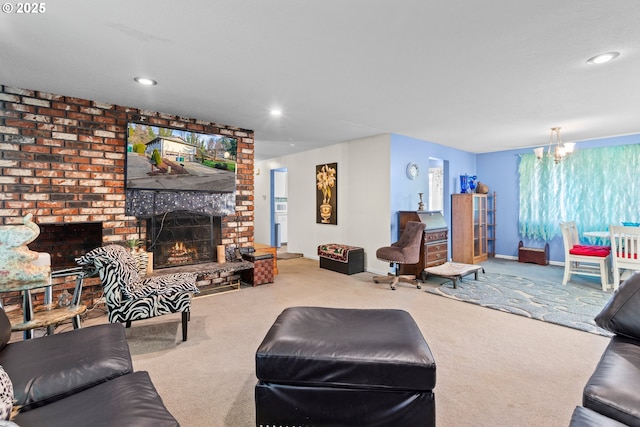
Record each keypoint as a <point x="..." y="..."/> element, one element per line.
<point x="55" y="366"/>
<point x="620" y="314"/>
<point x="612" y="389"/>
<point x="6" y="395"/>
<point x="166" y="284"/>
<point x="590" y="250"/>
<point x="585" y="417"/>
<point x="129" y="400"/>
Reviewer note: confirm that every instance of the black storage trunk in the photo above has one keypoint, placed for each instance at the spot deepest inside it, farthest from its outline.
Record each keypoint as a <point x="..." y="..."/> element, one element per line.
<point x="355" y="264"/>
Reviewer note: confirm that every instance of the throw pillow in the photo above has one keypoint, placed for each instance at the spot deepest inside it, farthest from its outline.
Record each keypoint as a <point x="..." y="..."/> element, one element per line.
<point x="6" y="395"/>
<point x="620" y="314"/>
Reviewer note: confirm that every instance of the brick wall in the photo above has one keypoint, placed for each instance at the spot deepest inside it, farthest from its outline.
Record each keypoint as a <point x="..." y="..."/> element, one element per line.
<point x="63" y="159"/>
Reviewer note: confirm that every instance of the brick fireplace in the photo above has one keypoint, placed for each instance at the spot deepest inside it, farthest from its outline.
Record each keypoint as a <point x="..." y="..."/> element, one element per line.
<point x="66" y="242"/>
<point x="63" y="160"/>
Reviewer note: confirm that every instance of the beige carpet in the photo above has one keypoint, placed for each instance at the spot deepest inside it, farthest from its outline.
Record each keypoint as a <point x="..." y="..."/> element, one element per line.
<point x="288" y="255"/>
<point x="493" y="368"/>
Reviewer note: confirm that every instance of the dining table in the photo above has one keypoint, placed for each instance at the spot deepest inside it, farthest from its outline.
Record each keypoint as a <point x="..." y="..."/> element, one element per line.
<point x="605" y="235"/>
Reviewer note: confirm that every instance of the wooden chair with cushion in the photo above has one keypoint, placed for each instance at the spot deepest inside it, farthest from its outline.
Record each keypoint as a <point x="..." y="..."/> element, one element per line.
<point x="586" y="260"/>
<point x="128" y="297"/>
<point x="625" y="246"/>
<point x="404" y="251"/>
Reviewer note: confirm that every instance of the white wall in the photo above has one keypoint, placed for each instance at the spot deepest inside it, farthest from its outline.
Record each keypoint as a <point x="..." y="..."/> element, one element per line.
<point x="262" y="203"/>
<point x="280" y="184"/>
<point x="363" y="198"/>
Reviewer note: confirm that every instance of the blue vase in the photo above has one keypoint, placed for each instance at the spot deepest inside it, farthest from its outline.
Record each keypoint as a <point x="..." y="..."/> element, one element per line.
<point x="464" y="183"/>
<point x="471" y="182"/>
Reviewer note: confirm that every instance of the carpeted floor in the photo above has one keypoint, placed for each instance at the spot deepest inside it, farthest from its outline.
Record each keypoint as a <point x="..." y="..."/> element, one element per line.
<point x="494" y="369"/>
<point x="284" y="254"/>
<point x="572" y="305"/>
<point x="288" y="255"/>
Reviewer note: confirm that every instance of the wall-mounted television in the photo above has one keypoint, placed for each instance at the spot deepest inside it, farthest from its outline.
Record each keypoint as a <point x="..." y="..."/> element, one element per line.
<point x="166" y="159"/>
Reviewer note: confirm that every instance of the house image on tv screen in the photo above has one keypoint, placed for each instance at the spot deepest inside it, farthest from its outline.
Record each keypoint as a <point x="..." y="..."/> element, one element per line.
<point x="165" y="159"/>
<point x="170" y="146"/>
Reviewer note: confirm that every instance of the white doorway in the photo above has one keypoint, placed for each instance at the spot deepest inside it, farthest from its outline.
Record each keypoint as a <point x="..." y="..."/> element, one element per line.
<point x="279" y="207"/>
<point x="436" y="184"/>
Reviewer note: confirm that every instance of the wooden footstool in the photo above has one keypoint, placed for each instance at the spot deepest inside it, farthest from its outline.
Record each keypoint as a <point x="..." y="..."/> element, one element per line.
<point x="453" y="271"/>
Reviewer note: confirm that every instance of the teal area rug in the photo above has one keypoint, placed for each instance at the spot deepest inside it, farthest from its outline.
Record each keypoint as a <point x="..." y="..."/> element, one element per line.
<point x="571" y="305"/>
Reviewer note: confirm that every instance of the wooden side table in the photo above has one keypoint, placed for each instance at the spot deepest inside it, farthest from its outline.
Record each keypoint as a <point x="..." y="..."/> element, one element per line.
<point x="266" y="249"/>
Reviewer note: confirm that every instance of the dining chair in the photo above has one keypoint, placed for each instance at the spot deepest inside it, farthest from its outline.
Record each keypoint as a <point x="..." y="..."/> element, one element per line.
<point x="586" y="260"/>
<point x="625" y="246"/>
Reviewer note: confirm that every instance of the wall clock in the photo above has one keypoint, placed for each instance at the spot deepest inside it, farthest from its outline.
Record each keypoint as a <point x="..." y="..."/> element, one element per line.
<point x="412" y="171"/>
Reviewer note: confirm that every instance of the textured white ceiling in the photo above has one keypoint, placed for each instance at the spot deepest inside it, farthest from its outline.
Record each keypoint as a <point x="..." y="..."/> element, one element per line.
<point x="479" y="76"/>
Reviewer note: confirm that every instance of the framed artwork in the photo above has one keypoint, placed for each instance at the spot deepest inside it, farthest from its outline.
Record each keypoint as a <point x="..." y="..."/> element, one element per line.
<point x="327" y="193"/>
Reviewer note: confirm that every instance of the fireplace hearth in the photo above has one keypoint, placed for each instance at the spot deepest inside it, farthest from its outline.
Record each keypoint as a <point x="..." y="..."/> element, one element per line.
<point x="183" y="238"/>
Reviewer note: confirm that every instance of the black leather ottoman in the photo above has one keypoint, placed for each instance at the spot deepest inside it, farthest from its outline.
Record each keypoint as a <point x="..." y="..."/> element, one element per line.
<point x="344" y="367"/>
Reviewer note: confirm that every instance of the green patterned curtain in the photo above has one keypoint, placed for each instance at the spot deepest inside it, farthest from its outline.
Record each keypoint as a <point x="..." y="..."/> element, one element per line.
<point x="594" y="187"/>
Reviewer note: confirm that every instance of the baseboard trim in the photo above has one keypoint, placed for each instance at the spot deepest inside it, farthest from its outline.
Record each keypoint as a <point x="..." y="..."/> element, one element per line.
<point x="515" y="258"/>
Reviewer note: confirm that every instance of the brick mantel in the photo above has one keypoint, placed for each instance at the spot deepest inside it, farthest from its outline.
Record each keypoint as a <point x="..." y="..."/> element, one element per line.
<point x="63" y="159"/>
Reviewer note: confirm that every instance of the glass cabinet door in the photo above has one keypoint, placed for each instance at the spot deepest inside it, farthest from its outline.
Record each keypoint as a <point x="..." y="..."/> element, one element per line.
<point x="479" y="225"/>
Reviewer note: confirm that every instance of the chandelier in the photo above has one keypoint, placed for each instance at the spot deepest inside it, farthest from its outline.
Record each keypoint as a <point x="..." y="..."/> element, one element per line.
<point x="560" y="150"/>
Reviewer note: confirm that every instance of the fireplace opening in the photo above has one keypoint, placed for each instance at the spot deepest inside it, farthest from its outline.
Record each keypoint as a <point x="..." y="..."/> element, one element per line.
<point x="183" y="238"/>
<point x="66" y="242"/>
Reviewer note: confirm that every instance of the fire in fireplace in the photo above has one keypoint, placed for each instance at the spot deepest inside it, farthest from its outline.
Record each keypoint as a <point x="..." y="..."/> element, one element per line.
<point x="183" y="238"/>
<point x="180" y="254"/>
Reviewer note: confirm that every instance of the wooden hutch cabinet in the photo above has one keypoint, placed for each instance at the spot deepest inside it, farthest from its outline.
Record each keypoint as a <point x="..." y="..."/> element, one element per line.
<point x="469" y="228"/>
<point x="433" y="250"/>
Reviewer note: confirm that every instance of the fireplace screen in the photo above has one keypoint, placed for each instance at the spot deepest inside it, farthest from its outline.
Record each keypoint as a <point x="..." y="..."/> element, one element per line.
<point x="183" y="238"/>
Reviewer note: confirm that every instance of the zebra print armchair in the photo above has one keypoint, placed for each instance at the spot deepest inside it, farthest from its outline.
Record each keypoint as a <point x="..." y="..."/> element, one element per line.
<point x="129" y="297"/>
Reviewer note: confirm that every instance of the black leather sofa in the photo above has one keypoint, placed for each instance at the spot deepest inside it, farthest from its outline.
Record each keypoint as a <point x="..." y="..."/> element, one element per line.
<point x="611" y="397"/>
<point x="83" y="377"/>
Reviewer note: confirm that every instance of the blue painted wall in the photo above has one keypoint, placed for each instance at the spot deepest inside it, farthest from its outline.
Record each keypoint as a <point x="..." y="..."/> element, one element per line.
<point x="404" y="192"/>
<point x="499" y="170"/>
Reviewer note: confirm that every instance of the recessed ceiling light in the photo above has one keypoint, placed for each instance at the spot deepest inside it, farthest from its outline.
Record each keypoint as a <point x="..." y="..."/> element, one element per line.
<point x="276" y="112"/>
<point x="603" y="57"/>
<point x="145" y="81"/>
